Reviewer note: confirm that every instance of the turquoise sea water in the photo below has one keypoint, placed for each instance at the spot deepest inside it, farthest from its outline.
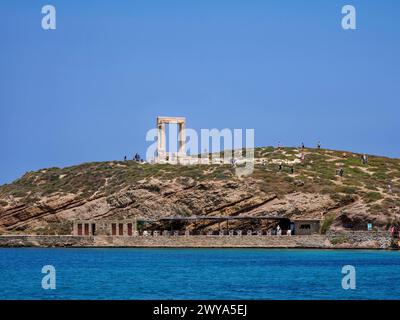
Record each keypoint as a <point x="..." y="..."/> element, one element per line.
<point x="198" y="274"/>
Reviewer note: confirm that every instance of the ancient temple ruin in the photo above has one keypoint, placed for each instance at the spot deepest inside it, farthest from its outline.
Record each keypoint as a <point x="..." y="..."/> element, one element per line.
<point x="179" y="157"/>
<point x="162" y="153"/>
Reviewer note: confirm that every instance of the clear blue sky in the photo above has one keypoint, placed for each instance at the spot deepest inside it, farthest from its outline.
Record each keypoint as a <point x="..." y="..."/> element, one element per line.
<point x="90" y="90"/>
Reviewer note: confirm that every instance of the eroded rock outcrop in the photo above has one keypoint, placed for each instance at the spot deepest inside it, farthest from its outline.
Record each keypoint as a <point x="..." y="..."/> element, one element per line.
<point x="49" y="200"/>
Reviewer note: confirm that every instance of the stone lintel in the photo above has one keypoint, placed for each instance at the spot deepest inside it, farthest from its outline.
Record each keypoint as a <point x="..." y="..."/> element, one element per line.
<point x="178" y="120"/>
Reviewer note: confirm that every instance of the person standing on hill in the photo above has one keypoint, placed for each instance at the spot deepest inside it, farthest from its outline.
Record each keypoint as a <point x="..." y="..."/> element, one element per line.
<point x="364" y="159"/>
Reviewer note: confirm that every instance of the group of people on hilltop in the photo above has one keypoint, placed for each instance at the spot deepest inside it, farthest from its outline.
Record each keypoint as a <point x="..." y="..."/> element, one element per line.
<point x="280" y="167"/>
<point x="279" y="146"/>
<point x="318" y="145"/>
<point x="302" y="156"/>
<point x="136" y="158"/>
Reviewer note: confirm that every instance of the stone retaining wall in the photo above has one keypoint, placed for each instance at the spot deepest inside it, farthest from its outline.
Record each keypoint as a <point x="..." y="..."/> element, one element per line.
<point x="44" y="241"/>
<point x="358" y="239"/>
<point x="314" y="241"/>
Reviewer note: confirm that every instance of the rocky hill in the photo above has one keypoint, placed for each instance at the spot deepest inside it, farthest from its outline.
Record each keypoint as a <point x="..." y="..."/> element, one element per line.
<point x="48" y="200"/>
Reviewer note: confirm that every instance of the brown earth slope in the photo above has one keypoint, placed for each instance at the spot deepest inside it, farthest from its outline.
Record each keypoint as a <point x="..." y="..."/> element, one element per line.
<point x="48" y="200"/>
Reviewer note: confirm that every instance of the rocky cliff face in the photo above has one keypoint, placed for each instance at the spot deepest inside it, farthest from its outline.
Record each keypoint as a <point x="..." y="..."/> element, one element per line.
<point x="47" y="201"/>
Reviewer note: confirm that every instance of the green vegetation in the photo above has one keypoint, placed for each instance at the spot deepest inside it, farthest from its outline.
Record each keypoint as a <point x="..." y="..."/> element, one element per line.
<point x="372" y="196"/>
<point x="326" y="224"/>
<point x="339" y="240"/>
<point x="316" y="174"/>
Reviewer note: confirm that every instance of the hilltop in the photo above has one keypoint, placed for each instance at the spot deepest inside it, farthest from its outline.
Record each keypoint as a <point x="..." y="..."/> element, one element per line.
<point x="48" y="200"/>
